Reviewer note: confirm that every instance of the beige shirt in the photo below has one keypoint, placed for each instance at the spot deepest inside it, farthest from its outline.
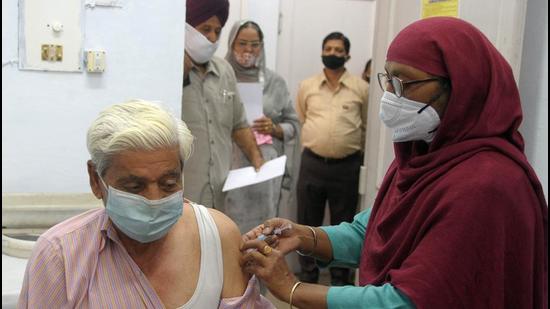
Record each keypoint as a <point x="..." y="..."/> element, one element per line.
<point x="333" y="122"/>
<point x="212" y="109"/>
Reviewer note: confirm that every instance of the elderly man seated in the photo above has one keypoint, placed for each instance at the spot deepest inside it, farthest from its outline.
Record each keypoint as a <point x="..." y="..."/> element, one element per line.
<point x="148" y="248"/>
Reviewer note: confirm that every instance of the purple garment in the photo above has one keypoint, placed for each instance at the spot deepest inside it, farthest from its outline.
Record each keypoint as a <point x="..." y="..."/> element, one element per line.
<point x="198" y="11"/>
<point x="250" y="299"/>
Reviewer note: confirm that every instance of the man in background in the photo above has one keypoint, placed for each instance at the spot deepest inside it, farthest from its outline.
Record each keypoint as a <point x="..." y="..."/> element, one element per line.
<point x="211" y="106"/>
<point x="332" y="108"/>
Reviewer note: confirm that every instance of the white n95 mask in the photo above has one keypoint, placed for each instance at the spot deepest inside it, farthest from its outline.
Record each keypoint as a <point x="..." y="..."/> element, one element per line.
<point x="410" y="120"/>
<point x="199" y="48"/>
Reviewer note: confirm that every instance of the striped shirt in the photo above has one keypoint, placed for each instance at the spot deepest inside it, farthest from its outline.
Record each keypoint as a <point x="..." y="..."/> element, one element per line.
<point x="81" y="263"/>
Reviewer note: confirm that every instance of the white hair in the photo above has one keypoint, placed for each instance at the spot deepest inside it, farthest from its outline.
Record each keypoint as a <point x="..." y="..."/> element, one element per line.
<point x="136" y="125"/>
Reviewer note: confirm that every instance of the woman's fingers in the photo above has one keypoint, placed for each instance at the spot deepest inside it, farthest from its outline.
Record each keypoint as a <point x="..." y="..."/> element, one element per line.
<point x="258" y="258"/>
<point x="257" y="244"/>
<point x="281" y="227"/>
<point x="253" y="257"/>
<point x="263" y="125"/>
<point x="253" y="233"/>
<point x="271" y="224"/>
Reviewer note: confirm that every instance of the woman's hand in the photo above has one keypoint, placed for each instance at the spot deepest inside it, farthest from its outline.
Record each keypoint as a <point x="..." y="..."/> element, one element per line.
<point x="280" y="233"/>
<point x="263" y="254"/>
<point x="263" y="125"/>
<point x="269" y="265"/>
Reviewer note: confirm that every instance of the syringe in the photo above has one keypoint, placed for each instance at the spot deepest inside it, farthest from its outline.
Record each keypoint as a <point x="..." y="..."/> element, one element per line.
<point x="277" y="231"/>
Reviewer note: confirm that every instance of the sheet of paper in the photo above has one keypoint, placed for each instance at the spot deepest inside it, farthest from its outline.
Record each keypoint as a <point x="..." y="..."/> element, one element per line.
<point x="251" y="95"/>
<point x="247" y="176"/>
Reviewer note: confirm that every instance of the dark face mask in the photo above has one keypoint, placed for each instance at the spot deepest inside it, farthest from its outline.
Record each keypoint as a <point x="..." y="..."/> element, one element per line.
<point x="333" y="62"/>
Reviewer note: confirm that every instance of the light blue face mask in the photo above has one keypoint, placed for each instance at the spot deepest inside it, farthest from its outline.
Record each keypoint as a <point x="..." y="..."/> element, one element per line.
<point x="142" y="219"/>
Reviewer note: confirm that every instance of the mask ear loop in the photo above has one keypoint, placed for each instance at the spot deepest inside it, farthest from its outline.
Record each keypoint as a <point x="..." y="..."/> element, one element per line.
<point x="430" y="103"/>
<point x="445" y="86"/>
<point x="432" y="131"/>
<point x="104" y="188"/>
<point x="432" y="100"/>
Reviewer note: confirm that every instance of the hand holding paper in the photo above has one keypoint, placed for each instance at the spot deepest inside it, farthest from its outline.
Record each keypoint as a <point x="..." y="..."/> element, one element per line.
<point x="246" y="176"/>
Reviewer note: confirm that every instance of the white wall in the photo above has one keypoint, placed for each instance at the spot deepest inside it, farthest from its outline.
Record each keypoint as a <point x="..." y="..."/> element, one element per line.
<point x="45" y="115"/>
<point x="266" y="12"/>
<point x="304" y="25"/>
<point x="533" y="87"/>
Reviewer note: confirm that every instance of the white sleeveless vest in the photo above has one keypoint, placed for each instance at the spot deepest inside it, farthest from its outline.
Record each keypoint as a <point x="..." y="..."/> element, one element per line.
<point x="209" y="286"/>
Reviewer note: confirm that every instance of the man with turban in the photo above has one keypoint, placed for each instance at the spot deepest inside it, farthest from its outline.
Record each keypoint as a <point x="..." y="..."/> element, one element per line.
<point x="211" y="105"/>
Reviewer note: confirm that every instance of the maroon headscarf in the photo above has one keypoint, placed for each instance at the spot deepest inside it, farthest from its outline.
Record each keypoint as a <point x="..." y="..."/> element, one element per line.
<point x="461" y="222"/>
<point x="198" y="11"/>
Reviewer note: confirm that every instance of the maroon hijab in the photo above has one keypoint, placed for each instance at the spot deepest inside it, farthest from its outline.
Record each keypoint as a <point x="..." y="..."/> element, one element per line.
<point x="462" y="222"/>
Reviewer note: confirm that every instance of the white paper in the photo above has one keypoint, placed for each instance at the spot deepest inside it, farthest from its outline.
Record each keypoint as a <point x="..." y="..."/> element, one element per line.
<point x="247" y="176"/>
<point x="252" y="95"/>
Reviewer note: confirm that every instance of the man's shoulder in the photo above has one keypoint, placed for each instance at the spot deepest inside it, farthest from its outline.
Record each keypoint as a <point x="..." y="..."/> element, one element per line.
<point x="356" y="82"/>
<point x="310" y="85"/>
<point x="79" y="225"/>
<point x="227" y="228"/>
<point x="76" y="234"/>
<point x="221" y="66"/>
<point x="235" y="279"/>
<point x="312" y="80"/>
<point x="219" y="61"/>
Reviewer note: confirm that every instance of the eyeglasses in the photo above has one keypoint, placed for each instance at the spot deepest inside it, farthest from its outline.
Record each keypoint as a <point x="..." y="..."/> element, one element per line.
<point x="253" y="44"/>
<point x="398" y="84"/>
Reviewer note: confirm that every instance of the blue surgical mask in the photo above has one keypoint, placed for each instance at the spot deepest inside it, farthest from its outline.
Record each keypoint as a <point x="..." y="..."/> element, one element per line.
<point x="141" y="219"/>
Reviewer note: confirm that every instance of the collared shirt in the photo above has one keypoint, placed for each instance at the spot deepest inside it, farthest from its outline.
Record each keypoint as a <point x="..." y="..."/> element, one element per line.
<point x="81" y="263"/>
<point x="333" y="121"/>
<point x="212" y="109"/>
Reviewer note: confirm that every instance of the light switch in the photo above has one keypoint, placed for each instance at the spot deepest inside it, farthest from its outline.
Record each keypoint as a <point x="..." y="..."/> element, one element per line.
<point x="57" y="26"/>
<point x="95" y="61"/>
<point x="51" y="35"/>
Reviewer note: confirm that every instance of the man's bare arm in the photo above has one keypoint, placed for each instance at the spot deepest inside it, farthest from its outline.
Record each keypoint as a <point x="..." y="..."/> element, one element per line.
<point x="235" y="279"/>
<point x="246" y="141"/>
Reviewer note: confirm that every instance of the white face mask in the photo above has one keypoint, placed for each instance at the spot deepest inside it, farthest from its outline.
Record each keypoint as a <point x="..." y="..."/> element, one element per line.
<point x="199" y="48"/>
<point x="247" y="60"/>
<point x="402" y="115"/>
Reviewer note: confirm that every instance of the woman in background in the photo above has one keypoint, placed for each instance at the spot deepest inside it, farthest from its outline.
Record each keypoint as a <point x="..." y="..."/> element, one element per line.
<point x="276" y="132"/>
